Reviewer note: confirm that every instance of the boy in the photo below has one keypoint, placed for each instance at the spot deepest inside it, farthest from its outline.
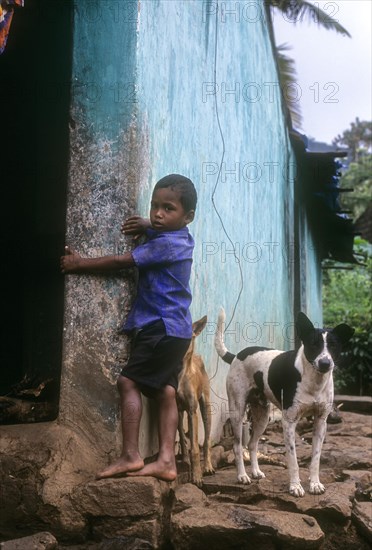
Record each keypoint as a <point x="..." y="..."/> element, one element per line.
<point x="160" y="320"/>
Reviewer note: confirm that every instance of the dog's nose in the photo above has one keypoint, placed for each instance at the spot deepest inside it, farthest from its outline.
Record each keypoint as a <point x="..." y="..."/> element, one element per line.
<point x="324" y="364"/>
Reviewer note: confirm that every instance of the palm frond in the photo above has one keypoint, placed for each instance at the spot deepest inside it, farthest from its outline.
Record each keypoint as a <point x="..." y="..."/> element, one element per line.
<point x="297" y="11"/>
<point x="288" y="79"/>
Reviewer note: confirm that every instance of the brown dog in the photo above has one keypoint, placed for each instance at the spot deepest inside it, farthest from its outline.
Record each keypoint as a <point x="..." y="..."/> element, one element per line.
<point x="193" y="388"/>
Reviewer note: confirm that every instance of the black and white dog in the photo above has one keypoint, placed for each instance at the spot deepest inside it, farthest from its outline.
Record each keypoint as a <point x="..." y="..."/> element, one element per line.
<point x="297" y="382"/>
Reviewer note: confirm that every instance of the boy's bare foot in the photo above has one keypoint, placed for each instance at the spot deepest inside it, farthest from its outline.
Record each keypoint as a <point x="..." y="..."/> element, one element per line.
<point x="120" y="467"/>
<point x="158" y="469"/>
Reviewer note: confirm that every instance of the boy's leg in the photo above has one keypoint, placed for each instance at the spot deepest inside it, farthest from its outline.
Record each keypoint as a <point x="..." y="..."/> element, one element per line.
<point x="165" y="465"/>
<point x="131" y="411"/>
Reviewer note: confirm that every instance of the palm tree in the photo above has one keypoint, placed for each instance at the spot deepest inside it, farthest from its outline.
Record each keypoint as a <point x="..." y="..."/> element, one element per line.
<point x="358" y="139"/>
<point x="297" y="11"/>
<point x="288" y="78"/>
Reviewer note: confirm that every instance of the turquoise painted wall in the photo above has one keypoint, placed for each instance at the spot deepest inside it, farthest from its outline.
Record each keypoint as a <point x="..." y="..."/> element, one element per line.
<point x="187" y="83"/>
<point x="310" y="294"/>
<point x="161" y="87"/>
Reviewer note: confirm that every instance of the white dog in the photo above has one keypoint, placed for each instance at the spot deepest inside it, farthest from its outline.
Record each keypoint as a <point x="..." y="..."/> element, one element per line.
<point x="298" y="382"/>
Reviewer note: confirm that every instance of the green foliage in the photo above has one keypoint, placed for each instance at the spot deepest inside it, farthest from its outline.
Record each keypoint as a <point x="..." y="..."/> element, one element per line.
<point x="357" y="139"/>
<point x="347" y="293"/>
<point x="358" y="177"/>
<point x="347" y="298"/>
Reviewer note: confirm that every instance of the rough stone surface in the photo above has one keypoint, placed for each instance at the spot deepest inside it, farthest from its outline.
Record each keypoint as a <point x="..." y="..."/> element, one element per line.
<point x="364" y="487"/>
<point x="48" y="483"/>
<point x="289" y="528"/>
<point x="187" y="496"/>
<point x="200" y="526"/>
<point x="355" y="403"/>
<point x="217" y="456"/>
<point x="335" y="502"/>
<point x="40" y="466"/>
<point x="344" y="471"/>
<point x="120" y="497"/>
<point x="126" y="507"/>
<point x="39" y="541"/>
<point x="362" y="514"/>
<point x="150" y="533"/>
<point x="229" y="526"/>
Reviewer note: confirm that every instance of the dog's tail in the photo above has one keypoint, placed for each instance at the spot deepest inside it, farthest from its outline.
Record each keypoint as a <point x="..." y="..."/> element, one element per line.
<point x="219" y="343"/>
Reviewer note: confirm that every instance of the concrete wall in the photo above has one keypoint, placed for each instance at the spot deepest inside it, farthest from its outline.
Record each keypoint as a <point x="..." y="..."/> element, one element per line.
<point x="161" y="87"/>
<point x="104" y="165"/>
<point x="209" y="103"/>
<point x="310" y="291"/>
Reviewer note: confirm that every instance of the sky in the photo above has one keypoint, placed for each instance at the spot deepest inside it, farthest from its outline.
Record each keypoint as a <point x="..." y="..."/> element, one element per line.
<point x="334" y="71"/>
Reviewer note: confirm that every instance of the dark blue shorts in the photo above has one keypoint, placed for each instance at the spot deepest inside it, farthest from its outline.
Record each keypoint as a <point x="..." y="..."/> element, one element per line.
<point x="155" y="360"/>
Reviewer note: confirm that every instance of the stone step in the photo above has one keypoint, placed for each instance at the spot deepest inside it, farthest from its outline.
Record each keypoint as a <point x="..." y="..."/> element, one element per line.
<point x="354" y="403"/>
<point x="201" y="522"/>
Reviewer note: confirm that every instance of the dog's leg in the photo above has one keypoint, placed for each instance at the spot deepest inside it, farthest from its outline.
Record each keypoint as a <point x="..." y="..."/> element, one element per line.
<point x="183" y="440"/>
<point x="260" y="418"/>
<point x="319" y="431"/>
<point x="196" y="474"/>
<point x="204" y="405"/>
<point x="289" y="424"/>
<point x="237" y="410"/>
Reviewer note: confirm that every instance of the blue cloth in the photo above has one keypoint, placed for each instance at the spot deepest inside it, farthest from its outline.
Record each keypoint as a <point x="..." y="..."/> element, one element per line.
<point x="164" y="263"/>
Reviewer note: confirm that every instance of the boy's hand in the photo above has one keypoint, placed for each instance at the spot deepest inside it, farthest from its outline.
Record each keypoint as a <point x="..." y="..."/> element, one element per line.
<point x="70" y="263"/>
<point x="135" y="225"/>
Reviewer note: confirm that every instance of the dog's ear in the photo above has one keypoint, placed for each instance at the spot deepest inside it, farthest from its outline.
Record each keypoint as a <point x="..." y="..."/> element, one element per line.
<point x="303" y="325"/>
<point x="343" y="332"/>
<point x="198" y="326"/>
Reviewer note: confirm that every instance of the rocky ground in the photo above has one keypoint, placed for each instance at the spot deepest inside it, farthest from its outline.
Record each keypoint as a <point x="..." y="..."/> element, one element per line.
<point x="225" y="515"/>
<point x="263" y="515"/>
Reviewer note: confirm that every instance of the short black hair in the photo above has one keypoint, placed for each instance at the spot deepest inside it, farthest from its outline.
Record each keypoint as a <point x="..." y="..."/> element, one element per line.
<point x="185" y="187"/>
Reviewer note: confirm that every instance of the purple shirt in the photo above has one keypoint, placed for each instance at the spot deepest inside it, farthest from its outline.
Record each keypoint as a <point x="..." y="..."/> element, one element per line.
<point x="164" y="264"/>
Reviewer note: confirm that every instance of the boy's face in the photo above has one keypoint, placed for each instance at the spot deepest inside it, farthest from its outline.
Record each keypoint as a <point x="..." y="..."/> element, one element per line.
<point x="167" y="212"/>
